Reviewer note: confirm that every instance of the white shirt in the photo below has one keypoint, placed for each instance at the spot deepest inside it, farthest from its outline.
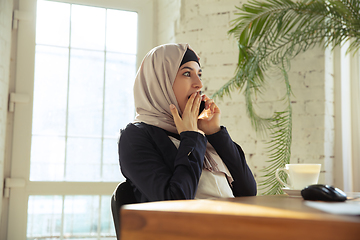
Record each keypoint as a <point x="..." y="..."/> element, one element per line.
<point x="213" y="185"/>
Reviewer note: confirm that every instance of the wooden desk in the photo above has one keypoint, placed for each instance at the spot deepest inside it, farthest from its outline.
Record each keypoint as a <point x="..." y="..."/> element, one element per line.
<point x="261" y="217"/>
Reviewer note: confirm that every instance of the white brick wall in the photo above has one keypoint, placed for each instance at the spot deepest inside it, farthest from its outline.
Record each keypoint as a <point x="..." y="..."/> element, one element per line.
<point x="204" y="25"/>
<point x="5" y="47"/>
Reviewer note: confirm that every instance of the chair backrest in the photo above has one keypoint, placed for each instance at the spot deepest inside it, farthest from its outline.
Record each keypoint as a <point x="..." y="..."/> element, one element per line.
<point x="123" y="194"/>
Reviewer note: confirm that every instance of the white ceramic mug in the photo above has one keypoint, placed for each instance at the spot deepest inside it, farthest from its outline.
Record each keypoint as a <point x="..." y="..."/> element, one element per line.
<point x="300" y="175"/>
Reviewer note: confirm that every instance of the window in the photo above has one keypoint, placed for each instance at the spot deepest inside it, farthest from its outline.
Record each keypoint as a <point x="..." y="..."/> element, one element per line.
<point x="76" y="60"/>
<point x="69" y="217"/>
<point x="84" y="72"/>
<point x="347" y="119"/>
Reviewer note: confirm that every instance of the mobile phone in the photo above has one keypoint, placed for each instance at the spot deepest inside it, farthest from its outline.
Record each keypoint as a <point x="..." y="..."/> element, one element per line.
<point x="202" y="107"/>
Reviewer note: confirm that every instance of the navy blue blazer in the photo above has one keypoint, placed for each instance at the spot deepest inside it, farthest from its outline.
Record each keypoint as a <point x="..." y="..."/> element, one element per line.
<point x="158" y="171"/>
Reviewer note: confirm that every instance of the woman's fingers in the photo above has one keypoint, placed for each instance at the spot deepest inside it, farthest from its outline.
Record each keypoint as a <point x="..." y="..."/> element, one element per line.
<point x="196" y="105"/>
<point x="210" y="104"/>
<point x="184" y="123"/>
<point x="189" y="104"/>
<point x="176" y="116"/>
<point x="210" y="121"/>
<point x="193" y="104"/>
<point x="188" y="120"/>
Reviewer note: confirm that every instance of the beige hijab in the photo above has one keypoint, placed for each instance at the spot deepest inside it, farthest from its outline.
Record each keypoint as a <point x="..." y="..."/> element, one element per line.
<point x="153" y="95"/>
<point x="153" y="86"/>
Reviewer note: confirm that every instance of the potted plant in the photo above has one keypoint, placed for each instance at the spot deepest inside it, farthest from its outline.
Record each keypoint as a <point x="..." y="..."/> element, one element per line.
<point x="269" y="34"/>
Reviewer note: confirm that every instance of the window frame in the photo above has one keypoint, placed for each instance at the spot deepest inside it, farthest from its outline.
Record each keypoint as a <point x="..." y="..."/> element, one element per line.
<point x="347" y="118"/>
<point x="22" y="123"/>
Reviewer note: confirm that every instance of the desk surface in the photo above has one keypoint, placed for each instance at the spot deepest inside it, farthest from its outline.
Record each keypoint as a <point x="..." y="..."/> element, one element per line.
<point x="261" y="217"/>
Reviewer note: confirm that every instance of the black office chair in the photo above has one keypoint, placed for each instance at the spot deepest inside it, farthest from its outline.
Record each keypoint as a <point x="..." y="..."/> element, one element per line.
<point x="123" y="194"/>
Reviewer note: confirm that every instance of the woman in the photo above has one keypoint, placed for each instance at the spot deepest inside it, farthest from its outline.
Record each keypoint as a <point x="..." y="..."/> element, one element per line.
<point x="170" y="153"/>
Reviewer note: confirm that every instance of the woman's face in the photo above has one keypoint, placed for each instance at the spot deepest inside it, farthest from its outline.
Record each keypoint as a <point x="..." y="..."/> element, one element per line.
<point x="187" y="81"/>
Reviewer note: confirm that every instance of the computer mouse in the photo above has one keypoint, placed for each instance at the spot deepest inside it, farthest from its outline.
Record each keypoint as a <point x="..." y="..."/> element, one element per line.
<point x="320" y="192"/>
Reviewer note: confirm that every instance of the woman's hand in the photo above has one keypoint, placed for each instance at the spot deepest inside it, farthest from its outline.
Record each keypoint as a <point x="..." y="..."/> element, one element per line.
<point x="189" y="119"/>
<point x="209" y="120"/>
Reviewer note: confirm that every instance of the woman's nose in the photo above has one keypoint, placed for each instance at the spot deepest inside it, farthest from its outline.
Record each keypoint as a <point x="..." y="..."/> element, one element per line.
<point x="197" y="82"/>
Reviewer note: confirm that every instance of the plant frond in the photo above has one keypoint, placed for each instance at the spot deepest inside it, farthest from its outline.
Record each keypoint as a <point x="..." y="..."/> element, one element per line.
<point x="280" y="143"/>
<point x="270" y="33"/>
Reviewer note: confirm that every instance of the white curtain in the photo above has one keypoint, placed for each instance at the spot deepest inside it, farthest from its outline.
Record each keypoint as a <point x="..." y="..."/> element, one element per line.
<point x="347" y="119"/>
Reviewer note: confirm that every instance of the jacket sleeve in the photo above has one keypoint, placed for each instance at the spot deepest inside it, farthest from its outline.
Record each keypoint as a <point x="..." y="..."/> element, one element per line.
<point x="234" y="158"/>
<point x="143" y="164"/>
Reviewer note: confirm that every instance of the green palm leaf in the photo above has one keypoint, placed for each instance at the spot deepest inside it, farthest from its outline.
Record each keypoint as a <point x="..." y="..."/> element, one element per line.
<point x="270" y="33"/>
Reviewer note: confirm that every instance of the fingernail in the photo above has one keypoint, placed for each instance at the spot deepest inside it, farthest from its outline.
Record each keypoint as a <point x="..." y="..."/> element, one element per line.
<point x="172" y="106"/>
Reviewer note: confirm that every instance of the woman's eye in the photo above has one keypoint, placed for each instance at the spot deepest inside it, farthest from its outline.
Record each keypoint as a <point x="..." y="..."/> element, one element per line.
<point x="187" y="74"/>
